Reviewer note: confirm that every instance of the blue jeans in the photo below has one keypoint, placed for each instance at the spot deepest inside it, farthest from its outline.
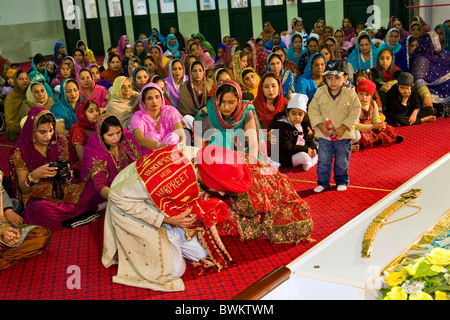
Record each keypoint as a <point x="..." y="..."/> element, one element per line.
<point x="341" y="151"/>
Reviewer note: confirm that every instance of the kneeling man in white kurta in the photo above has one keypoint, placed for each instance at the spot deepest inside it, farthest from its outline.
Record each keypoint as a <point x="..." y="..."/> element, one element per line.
<point x="157" y="214"/>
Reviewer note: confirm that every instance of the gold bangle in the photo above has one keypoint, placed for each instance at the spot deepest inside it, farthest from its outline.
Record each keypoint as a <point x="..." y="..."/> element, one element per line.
<point x="33" y="180"/>
<point x="28" y="183"/>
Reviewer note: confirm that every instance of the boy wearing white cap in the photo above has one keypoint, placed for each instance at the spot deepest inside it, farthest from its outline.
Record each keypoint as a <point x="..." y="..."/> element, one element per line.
<point x="339" y="105"/>
<point x="291" y="129"/>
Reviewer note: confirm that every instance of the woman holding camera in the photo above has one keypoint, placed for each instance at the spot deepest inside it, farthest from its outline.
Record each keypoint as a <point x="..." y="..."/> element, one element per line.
<point x="41" y="175"/>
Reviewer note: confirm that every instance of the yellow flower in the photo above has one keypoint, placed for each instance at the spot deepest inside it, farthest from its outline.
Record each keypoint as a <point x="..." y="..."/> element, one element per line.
<point x="439" y="295"/>
<point x="412" y="267"/>
<point x="436" y="268"/>
<point x="397" y="277"/>
<point x="396" y="293"/>
<point x="439" y="256"/>
<point x="420" y="296"/>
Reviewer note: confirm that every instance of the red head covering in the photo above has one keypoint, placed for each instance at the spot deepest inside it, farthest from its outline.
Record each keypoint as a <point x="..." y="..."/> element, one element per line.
<point x="259" y="58"/>
<point x="223" y="170"/>
<point x="266" y="115"/>
<point x="366" y="86"/>
<point x="81" y="114"/>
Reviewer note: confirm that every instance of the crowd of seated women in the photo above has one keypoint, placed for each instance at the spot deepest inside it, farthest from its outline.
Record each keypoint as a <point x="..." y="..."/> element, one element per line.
<point x="93" y="119"/>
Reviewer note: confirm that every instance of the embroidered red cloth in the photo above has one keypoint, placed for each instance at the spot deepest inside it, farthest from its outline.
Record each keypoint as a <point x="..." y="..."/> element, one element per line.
<point x="171" y="181"/>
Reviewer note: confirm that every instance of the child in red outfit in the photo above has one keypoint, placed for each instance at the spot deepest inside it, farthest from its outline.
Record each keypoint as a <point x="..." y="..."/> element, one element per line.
<point x="371" y="130"/>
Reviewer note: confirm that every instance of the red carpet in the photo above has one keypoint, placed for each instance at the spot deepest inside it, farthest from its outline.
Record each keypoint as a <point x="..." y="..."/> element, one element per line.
<point x="373" y="174"/>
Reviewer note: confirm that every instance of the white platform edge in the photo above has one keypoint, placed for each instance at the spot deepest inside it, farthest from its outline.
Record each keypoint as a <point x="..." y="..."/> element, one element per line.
<point x="382" y="203"/>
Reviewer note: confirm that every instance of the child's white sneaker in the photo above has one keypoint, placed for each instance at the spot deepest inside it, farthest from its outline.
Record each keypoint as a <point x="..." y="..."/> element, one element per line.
<point x="307" y="166"/>
<point x="319" y="189"/>
<point x="341" y="187"/>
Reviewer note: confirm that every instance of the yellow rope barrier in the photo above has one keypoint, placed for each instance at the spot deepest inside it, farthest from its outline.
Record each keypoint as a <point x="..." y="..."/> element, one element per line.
<point x="354" y="187"/>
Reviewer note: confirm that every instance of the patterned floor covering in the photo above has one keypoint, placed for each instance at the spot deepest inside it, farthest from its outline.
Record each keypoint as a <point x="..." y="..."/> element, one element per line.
<point x="373" y="173"/>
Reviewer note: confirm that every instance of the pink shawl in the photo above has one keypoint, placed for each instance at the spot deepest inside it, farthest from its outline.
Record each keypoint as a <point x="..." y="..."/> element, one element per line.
<point x="168" y="118"/>
<point x="99" y="93"/>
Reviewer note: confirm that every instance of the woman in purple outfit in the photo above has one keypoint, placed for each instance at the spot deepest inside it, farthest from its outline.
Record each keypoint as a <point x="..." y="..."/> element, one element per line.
<point x="51" y="199"/>
<point x="108" y="151"/>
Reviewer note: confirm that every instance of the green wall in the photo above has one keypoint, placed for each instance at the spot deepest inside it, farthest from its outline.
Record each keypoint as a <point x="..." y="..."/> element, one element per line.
<point x="42" y="20"/>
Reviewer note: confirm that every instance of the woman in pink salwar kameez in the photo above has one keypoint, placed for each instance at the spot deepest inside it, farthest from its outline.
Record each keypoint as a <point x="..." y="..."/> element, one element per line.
<point x="156" y="124"/>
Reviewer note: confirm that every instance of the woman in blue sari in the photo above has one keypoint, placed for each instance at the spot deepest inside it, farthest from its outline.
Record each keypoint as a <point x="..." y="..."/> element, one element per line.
<point x="59" y="53"/>
<point x="173" y="46"/>
<point x="161" y="38"/>
<point x="275" y="64"/>
<point x="275" y="40"/>
<point x="312" y="78"/>
<point x="220" y="51"/>
<point x="232" y="123"/>
<point x="296" y="49"/>
<point x="430" y="65"/>
<point x="364" y="56"/>
<point x="403" y="56"/>
<point x="64" y="109"/>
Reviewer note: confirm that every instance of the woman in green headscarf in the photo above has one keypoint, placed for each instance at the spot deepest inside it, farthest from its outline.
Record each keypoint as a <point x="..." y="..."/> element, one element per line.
<point x="205" y="44"/>
<point x="444" y="35"/>
<point x="232" y="123"/>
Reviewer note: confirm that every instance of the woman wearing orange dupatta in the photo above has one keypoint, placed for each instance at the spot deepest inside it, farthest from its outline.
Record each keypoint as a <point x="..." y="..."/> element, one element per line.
<point x="267" y="32"/>
<point x="270" y="99"/>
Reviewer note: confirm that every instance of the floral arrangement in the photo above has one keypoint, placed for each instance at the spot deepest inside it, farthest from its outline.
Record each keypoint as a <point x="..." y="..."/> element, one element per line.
<point x="427" y="278"/>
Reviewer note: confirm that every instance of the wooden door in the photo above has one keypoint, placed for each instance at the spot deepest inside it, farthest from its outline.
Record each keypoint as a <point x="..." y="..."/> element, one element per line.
<point x="141" y="18"/>
<point x="356" y="10"/>
<point x="310" y="11"/>
<point x="274" y="11"/>
<point x="168" y="16"/>
<point x="240" y="17"/>
<point x="209" y="21"/>
<point x="398" y="8"/>
<point x="93" y="27"/>
<point x="71" y="21"/>
<point x="116" y="21"/>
